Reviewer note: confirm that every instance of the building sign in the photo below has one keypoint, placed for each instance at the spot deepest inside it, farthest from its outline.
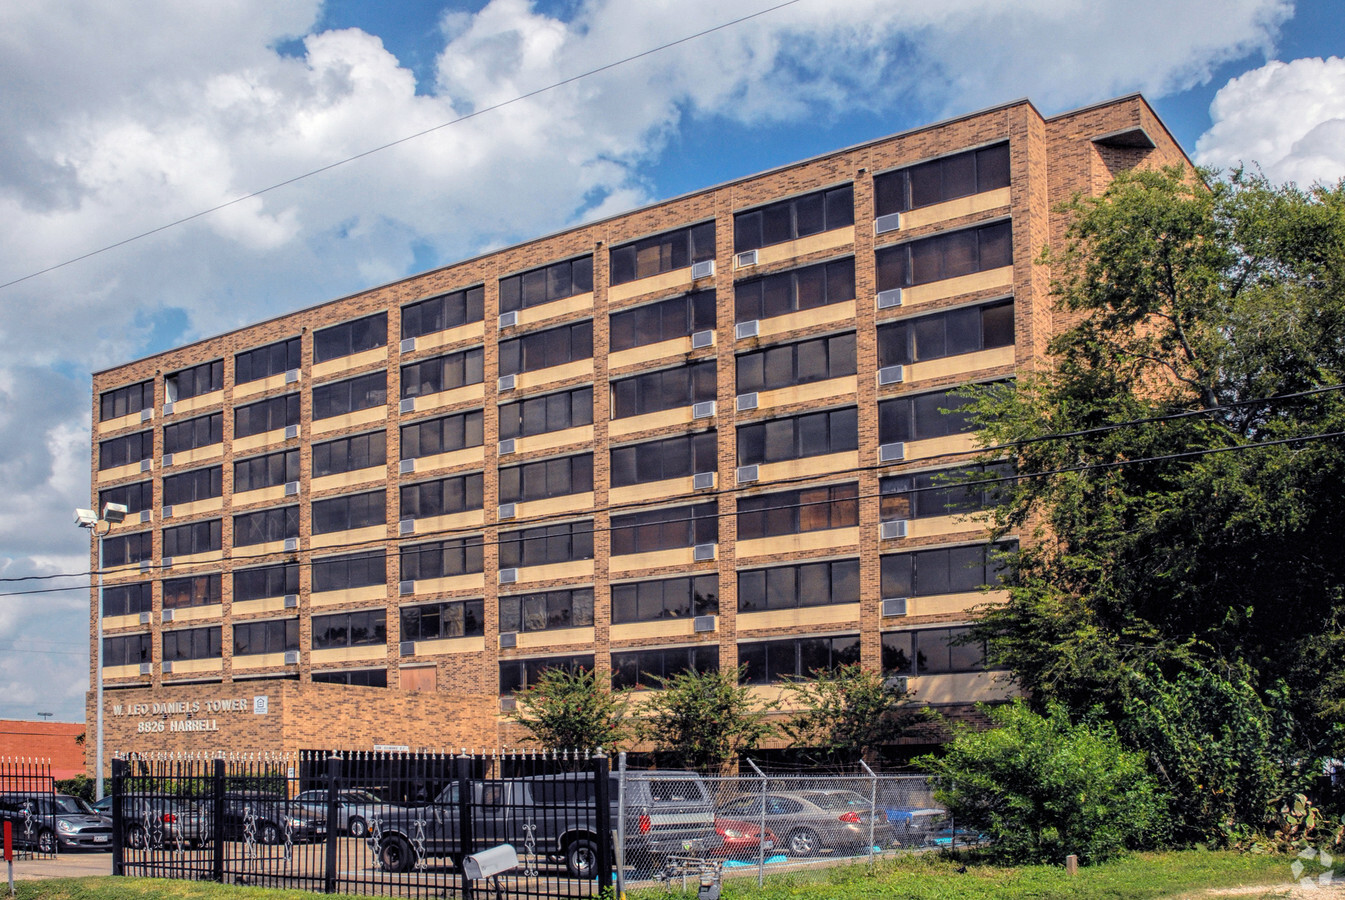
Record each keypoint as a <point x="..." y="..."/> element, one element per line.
<point x="186" y="715"/>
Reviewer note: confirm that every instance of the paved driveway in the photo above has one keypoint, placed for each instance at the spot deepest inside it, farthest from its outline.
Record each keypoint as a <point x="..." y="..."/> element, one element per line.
<point x="65" y="865"/>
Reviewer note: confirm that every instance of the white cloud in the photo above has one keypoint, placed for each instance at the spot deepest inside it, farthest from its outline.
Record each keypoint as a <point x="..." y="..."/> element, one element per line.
<point x="121" y="117"/>
<point x="1288" y="118"/>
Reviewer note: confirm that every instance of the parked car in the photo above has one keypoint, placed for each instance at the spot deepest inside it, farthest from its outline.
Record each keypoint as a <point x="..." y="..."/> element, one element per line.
<point x="355" y="809"/>
<point x="268" y="818"/>
<point x="159" y="820"/>
<point x="737" y="838"/>
<point x="814" y="822"/>
<point x="48" y="822"/>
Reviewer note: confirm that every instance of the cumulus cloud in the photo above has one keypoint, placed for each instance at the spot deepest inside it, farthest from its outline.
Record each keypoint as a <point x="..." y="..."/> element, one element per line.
<point x="121" y="117"/>
<point x="1288" y="118"/>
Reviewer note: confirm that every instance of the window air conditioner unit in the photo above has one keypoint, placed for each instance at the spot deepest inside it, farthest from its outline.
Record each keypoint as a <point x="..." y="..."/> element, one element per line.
<point x="703" y="269"/>
<point x="144" y="617"/>
<point x="407" y="405"/>
<point x="506" y="446"/>
<point x="291" y="657"/>
<point x="744" y="330"/>
<point x="145" y="565"/>
<point x="509" y="319"/>
<point x="168" y="667"/>
<point x="291" y="376"/>
<point x="703" y="624"/>
<point x="291" y="489"/>
<point x="508" y="704"/>
<point x="702" y="481"/>
<point x="146" y="414"/>
<point x="167" y="460"/>
<point x="507" y="382"/>
<point x="291" y="431"/>
<point x="889" y="222"/>
<point x="291" y="601"/>
<point x="703" y="410"/>
<point x="146" y="668"/>
<point x="703" y="552"/>
<point x="168" y="562"/>
<point x="168" y="408"/>
<point x="146" y="516"/>
<point x="894" y="452"/>
<point x="891" y="375"/>
<point x="407" y="648"/>
<point x="169" y="615"/>
<point x="291" y="544"/>
<point x="702" y="339"/>
<point x="406" y="466"/>
<point x="407" y="345"/>
<point x="508" y="639"/>
<point x="897" y="682"/>
<point x="745" y="259"/>
<point x="167" y="512"/>
<point x="507" y="510"/>
<point x="894" y="606"/>
<point x="406" y="587"/>
<point x="889" y="299"/>
<point x="508" y="576"/>
<point x="747" y="401"/>
<point x="406" y="526"/>
<point x="146" y="465"/>
<point x="746" y="473"/>
<point x="891" y="531"/>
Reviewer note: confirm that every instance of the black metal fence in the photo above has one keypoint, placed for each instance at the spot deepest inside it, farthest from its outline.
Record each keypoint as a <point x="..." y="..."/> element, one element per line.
<point x="383" y="824"/>
<point x="28" y="804"/>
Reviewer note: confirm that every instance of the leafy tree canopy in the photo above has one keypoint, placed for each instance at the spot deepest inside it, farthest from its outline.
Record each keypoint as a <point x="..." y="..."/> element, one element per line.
<point x="703" y="720"/>
<point x="574" y="711"/>
<point x="848" y="713"/>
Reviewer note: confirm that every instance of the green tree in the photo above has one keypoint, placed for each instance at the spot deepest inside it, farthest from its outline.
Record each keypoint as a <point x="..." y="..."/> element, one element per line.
<point x="578" y="710"/>
<point x="845" y="714"/>
<point x="704" y="720"/>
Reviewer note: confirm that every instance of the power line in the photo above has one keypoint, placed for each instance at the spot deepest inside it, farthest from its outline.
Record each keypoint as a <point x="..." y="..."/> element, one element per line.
<point x="402" y="140"/>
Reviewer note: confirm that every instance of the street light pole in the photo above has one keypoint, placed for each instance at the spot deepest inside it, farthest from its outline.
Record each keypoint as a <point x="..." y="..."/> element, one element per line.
<point x="87" y="518"/>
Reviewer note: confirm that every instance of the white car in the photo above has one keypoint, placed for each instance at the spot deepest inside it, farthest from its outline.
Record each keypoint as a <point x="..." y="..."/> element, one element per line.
<point x="354" y="809"/>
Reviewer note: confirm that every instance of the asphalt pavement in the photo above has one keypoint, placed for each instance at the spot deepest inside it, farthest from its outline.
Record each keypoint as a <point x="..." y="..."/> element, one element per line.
<point x="65" y="865"/>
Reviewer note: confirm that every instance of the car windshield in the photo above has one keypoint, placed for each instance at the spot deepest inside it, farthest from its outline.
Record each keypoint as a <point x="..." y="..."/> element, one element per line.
<point x="360" y="797"/>
<point x="67" y="804"/>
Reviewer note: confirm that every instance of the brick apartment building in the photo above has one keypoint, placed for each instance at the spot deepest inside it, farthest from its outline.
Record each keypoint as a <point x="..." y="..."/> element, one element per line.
<point x="706" y="432"/>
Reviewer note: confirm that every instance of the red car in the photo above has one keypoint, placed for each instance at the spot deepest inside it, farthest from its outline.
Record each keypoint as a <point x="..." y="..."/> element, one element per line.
<point x="738" y="838"/>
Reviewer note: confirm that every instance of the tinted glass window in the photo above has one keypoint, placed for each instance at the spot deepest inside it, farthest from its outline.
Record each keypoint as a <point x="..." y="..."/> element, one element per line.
<point x="544" y="349"/>
<point x="199" y="432"/>
<point x="442" y="435"/>
<point x="946" y="178"/>
<point x="553" y="282"/>
<point x="441" y="559"/>
<point x="663" y="321"/>
<point x="663" y="253"/>
<point x="443" y="312"/>
<point x="786" y="292"/>
<point x="263" y="362"/>
<point x="674" y="598"/>
<point x="443" y="373"/>
<point x="794" y="218"/>
<point x="350" y="337"/>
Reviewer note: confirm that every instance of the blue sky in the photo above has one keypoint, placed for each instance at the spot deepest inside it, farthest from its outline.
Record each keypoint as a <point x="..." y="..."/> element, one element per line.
<point x="120" y="118"/>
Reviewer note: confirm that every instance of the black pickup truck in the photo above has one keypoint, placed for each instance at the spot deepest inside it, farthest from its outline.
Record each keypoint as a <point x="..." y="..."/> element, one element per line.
<point x="551" y="817"/>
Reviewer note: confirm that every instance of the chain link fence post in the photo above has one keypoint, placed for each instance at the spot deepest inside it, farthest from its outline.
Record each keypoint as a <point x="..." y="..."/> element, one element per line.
<point x="761" y="826"/>
<point x="873" y="804"/>
<point x="621" y="825"/>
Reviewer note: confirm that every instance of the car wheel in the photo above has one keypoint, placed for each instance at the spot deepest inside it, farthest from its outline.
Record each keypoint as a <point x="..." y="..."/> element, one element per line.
<point x="357" y="827"/>
<point x="46" y="842"/>
<point x="268" y="833"/>
<point x="581" y="858"/>
<point x="135" y="837"/>
<point x="396" y="854"/>
<point x="802" y="842"/>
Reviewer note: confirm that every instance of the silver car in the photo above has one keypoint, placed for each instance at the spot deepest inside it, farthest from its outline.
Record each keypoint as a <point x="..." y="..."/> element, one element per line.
<point x="354" y="809"/>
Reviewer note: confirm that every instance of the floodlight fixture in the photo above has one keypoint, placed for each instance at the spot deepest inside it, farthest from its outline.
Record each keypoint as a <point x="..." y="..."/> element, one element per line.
<point x="114" y="513"/>
<point x="86" y="518"/>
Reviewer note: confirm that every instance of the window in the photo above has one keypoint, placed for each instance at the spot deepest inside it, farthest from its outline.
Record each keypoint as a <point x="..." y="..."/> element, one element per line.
<point x="665" y="529"/>
<point x="518" y="674"/>
<point x="554" y="282"/>
<point x="942" y="570"/>
<point x="350" y="629"/>
<point x="809" y="287"/>
<point x="350" y="337"/>
<point x="192" y="643"/>
<point x="127" y="599"/>
<point x="202" y="431"/>
<point x="448" y="619"/>
<point x="194" y="382"/>
<point x="946" y="492"/>
<point x="795" y="512"/>
<point x="946" y="178"/>
<point x="918" y="417"/>
<point x="547" y="478"/>
<point x="197" y="537"/>
<point x="126" y="650"/>
<point x="663" y="253"/>
<point x="199" y="484"/>
<point x="442" y="559"/>
<point x="364" y="392"/>
<point x="127" y="548"/>
<point x="791" y="587"/>
<point x="266" y="415"/>
<point x="337" y="573"/>
<point x="796" y="437"/>
<point x="266" y="526"/>
<point x="932" y="651"/>
<point x="544" y="349"/>
<point x="443" y="435"/>
<point x="944" y="334"/>
<point x="276" y="636"/>
<point x="546" y="544"/>
<point x="547" y="609"/>
<point x="768" y="661"/>
<point x="350" y="511"/>
<point x="263" y="362"/>
<point x="266" y="581"/>
<point x="197" y="590"/>
<point x="672" y="598"/>
<point x="443" y="373"/>
<point x="267" y="471"/>
<point x="787" y="365"/>
<point x="648" y="668"/>
<point x="663" y="321"/>
<point x="666" y="389"/>
<point x="442" y="497"/>
<point x="794" y="218"/>
<point x="443" y="312"/>
<point x="945" y="255"/>
<point x="350" y="454"/>
<point x="551" y="412"/>
<point x="125" y="400"/>
<point x="125" y="450"/>
<point x="674" y="457"/>
<point x="135" y="496"/>
<point x="355" y="677"/>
